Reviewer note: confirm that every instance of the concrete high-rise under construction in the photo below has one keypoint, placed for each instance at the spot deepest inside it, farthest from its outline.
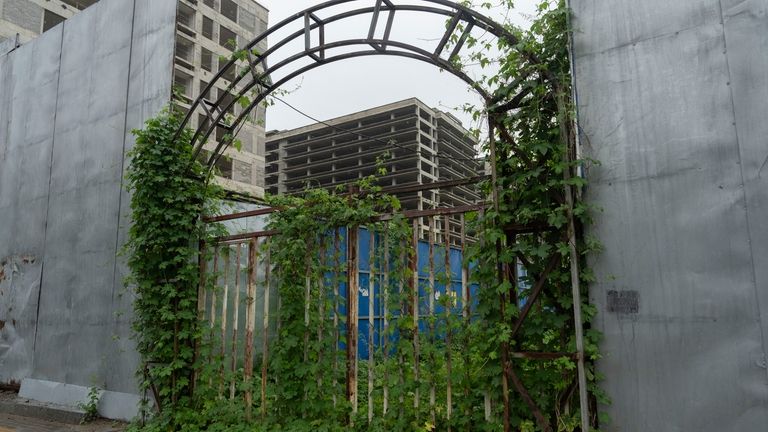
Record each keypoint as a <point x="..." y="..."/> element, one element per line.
<point x="206" y="32"/>
<point x="424" y="145"/>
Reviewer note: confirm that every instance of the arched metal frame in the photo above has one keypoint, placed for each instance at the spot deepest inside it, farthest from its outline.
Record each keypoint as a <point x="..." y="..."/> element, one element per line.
<point x="256" y="79"/>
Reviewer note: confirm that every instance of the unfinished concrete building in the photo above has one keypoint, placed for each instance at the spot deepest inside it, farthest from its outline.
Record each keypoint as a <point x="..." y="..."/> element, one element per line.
<point x="424" y="145"/>
<point x="206" y="32"/>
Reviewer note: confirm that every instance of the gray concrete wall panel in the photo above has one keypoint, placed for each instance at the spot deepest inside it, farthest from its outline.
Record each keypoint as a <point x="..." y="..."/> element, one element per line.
<point x="746" y="34"/>
<point x="28" y="91"/>
<point x="80" y="250"/>
<point x="659" y="108"/>
<point x="148" y="92"/>
<point x="68" y="101"/>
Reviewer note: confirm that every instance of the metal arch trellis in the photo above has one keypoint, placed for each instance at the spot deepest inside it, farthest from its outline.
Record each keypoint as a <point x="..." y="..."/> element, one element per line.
<point x="256" y="78"/>
<point x="255" y="84"/>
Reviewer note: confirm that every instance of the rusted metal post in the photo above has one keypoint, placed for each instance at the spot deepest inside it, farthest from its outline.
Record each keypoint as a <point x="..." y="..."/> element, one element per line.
<point x="250" y="324"/>
<point x="352" y="315"/>
<point x="385" y="317"/>
<point x="466" y="307"/>
<point x="448" y="332"/>
<point x="224" y="307"/>
<point x="307" y="302"/>
<point x="505" y="365"/>
<point x="415" y="314"/>
<point x="235" y="319"/>
<point x="371" y="291"/>
<point x="574" y="258"/>
<point x="265" y="328"/>
<point x="431" y="292"/>
<point x="201" y="300"/>
<point x="403" y="315"/>
<point x="212" y="316"/>
<point x="321" y="299"/>
<point x="336" y="283"/>
<point x="487" y="401"/>
<point x="506" y="371"/>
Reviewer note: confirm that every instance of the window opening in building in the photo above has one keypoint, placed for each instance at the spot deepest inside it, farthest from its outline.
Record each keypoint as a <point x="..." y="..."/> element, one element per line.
<point x="208" y="27"/>
<point x="227" y="38"/>
<point x="207" y="60"/>
<point x="79" y="4"/>
<point x="229" y="9"/>
<point x="51" y="20"/>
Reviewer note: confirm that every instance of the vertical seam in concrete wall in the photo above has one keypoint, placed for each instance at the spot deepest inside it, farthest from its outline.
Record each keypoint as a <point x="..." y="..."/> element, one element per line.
<point x="743" y="185"/>
<point x="122" y="160"/>
<point x="48" y="201"/>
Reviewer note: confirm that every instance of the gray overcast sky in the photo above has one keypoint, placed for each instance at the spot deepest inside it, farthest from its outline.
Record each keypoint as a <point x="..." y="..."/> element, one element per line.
<point x="357" y="84"/>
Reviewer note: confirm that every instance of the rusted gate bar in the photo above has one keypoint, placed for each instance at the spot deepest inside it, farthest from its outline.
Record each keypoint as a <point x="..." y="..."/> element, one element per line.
<point x="410" y="214"/>
<point x="465" y="309"/>
<point x="387" y="189"/>
<point x="250" y="324"/>
<point x="235" y="320"/>
<point x="506" y="370"/>
<point x="402" y="298"/>
<point x="336" y="283"/>
<point x="448" y="309"/>
<point x="371" y="291"/>
<point x="415" y="314"/>
<point x="265" y="327"/>
<point x="431" y="321"/>
<point x="321" y="299"/>
<point x="212" y="317"/>
<point x="201" y="300"/>
<point x="307" y="300"/>
<point x="385" y="314"/>
<point x="224" y="307"/>
<point x="352" y="314"/>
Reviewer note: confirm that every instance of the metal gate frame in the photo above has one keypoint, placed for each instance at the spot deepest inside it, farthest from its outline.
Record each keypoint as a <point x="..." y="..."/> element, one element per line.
<point x="257" y="77"/>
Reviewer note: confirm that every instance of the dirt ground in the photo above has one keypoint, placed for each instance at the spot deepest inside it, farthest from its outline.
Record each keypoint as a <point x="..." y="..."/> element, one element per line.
<point x="16" y="423"/>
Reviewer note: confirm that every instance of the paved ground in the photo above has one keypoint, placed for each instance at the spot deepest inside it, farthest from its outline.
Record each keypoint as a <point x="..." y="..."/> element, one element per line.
<point x="13" y="423"/>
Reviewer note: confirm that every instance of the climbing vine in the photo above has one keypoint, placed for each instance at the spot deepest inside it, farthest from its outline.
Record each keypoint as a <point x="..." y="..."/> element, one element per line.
<point x="167" y="201"/>
<point x="535" y="161"/>
<point x="307" y="366"/>
<point x="522" y="260"/>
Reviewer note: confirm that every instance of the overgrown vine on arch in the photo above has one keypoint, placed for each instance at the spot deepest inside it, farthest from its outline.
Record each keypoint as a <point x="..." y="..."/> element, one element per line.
<point x="535" y="162"/>
<point x="306" y="374"/>
<point x="167" y="201"/>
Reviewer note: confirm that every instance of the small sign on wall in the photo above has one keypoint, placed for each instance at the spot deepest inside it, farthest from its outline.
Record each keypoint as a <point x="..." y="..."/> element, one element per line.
<point x="625" y="302"/>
